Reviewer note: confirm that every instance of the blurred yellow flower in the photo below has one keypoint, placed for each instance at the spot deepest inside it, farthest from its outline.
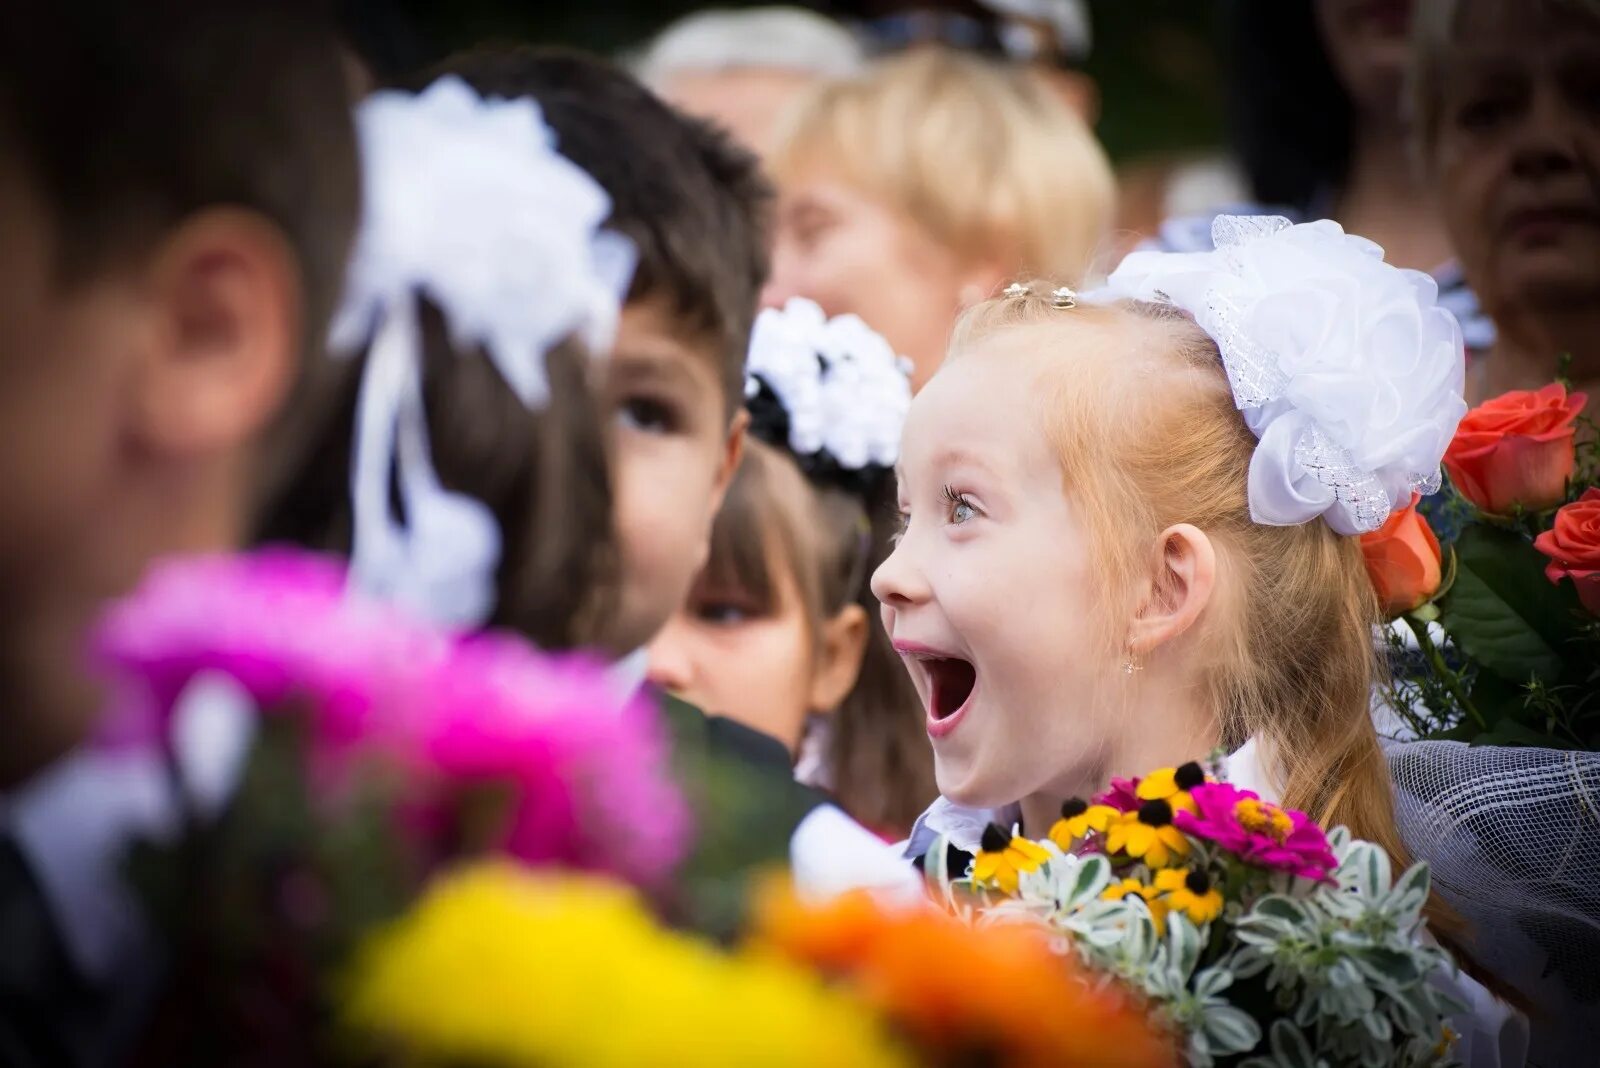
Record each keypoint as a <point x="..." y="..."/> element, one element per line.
<point x="1189" y="892"/>
<point x="500" y="965"/>
<point x="1172" y="785"/>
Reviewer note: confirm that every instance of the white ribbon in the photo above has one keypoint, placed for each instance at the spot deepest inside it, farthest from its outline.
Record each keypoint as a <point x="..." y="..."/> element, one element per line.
<point x="1345" y="368"/>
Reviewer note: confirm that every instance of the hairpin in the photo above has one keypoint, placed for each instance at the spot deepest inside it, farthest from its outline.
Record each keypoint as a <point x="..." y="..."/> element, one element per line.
<point x="1016" y="289"/>
<point x="1063" y="297"/>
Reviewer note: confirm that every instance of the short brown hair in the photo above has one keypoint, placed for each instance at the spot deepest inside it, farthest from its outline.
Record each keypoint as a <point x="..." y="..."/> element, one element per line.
<point x="694" y="204"/>
<point x="130" y="116"/>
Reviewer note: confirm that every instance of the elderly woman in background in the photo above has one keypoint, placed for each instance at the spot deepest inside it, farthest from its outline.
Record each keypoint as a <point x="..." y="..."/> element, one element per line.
<point x="1508" y="123"/>
<point x="744" y="69"/>
<point x="926" y="183"/>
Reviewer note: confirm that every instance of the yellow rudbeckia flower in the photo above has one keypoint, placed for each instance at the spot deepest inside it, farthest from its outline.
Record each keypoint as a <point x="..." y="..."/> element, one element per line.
<point x="1152" y="898"/>
<point x="1078" y="818"/>
<point x="1002" y="857"/>
<point x="1148" y="835"/>
<point x="1172" y="785"/>
<point x="1191" y="893"/>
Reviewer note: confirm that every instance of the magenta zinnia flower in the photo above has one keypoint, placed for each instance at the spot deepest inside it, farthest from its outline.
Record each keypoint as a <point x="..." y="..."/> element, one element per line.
<point x="1123" y="795"/>
<point x="587" y="769"/>
<point x="1258" y="832"/>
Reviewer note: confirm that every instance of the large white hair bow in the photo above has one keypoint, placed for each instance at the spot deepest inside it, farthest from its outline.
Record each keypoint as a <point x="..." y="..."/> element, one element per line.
<point x="467" y="202"/>
<point x="1345" y="367"/>
<point x="845" y="392"/>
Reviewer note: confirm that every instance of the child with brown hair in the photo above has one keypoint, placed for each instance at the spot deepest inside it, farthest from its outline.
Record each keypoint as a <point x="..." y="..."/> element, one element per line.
<point x="178" y="191"/>
<point x="778" y="629"/>
<point x="1128" y="529"/>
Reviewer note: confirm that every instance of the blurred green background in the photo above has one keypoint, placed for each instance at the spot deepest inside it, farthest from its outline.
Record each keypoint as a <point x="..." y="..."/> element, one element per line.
<point x="1155" y="61"/>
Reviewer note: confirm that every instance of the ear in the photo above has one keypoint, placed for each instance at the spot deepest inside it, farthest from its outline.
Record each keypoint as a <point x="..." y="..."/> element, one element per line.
<point x="226" y="292"/>
<point x="840" y="648"/>
<point x="732" y="453"/>
<point x="1183" y="576"/>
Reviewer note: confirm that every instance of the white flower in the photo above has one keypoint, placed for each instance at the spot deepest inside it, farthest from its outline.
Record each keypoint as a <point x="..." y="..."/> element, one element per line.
<point x="845" y="391"/>
<point x="468" y="201"/>
<point x="1346" y="368"/>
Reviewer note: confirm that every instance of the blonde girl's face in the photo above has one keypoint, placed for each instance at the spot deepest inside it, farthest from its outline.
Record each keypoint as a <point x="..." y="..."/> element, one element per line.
<point x="991" y="593"/>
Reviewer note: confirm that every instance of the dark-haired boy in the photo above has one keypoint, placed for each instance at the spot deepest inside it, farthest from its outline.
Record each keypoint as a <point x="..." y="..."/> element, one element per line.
<point x="696" y="208"/>
<point x="177" y="195"/>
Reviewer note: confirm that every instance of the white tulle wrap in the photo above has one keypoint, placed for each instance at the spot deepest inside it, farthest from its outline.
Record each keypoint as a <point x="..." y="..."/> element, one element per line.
<point x="467" y="202"/>
<point x="845" y="391"/>
<point x="1344" y="367"/>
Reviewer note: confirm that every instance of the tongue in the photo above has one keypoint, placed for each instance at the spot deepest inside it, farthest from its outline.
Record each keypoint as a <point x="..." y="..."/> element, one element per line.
<point x="952" y="685"/>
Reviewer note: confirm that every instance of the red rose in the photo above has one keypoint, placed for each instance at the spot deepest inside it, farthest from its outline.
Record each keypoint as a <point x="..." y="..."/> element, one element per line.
<point x="1403" y="561"/>
<point x="1516" y="450"/>
<point x="1573" y="546"/>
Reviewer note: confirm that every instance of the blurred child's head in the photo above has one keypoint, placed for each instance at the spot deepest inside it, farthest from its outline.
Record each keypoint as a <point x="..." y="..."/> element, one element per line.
<point x="917" y="188"/>
<point x="177" y="191"/>
<point x="1080" y="590"/>
<point x="771" y="634"/>
<point x="695" y="207"/>
<point x="784" y="597"/>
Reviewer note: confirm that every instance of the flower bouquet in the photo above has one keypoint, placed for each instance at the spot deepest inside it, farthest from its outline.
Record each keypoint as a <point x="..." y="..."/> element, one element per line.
<point x="1256" y="937"/>
<point x="1501" y="638"/>
<point x="455" y="849"/>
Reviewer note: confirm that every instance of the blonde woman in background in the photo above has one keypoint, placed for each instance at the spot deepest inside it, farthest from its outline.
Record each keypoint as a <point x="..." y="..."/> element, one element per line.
<point x="921" y="186"/>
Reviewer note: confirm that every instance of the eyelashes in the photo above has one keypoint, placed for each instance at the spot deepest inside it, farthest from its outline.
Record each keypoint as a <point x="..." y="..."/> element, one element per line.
<point x="959" y="509"/>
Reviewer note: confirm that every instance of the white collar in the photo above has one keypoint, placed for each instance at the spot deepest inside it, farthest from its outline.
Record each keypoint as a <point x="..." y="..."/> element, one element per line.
<point x="1245" y="768"/>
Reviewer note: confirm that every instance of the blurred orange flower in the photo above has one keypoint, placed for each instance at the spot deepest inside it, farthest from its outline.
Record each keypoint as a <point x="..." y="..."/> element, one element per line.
<point x="995" y="995"/>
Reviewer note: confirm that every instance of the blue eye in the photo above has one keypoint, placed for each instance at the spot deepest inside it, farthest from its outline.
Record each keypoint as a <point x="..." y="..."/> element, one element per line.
<point x="961" y="509"/>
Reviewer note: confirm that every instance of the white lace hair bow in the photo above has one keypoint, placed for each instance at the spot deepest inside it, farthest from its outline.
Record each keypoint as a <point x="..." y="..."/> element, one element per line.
<point x="1344" y="367"/>
<point x="467" y="202"/>
<point x="843" y="388"/>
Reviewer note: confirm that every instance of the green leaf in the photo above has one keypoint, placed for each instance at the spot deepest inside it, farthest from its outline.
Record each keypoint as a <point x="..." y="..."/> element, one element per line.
<point x="1183" y="944"/>
<point x="1230" y="1030"/>
<point x="1502" y="610"/>
<point x="1094" y="874"/>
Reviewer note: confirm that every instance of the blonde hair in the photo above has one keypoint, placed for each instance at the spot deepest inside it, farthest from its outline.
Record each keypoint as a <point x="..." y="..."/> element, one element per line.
<point x="1152" y="438"/>
<point x="986" y="158"/>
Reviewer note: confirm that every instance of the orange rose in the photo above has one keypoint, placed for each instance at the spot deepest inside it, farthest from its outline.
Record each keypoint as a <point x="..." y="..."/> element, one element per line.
<point x="1403" y="561"/>
<point x="1516" y="449"/>
<point x="1573" y="546"/>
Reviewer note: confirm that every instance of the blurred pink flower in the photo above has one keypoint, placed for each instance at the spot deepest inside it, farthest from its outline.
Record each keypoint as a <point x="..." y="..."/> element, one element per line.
<point x="587" y="768"/>
<point x="1258" y="832"/>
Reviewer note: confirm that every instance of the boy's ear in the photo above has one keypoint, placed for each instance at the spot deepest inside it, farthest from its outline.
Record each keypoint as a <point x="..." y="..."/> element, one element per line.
<point x="1182" y="579"/>
<point x="732" y="453"/>
<point x="840" y="647"/>
<point x="225" y="287"/>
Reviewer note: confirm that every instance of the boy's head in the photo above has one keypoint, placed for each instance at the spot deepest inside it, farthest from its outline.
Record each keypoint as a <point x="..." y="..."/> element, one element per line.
<point x="177" y="191"/>
<point x="695" y="207"/>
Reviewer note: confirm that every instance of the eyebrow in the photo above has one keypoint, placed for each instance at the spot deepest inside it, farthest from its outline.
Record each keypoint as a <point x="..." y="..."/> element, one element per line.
<point x="667" y="368"/>
<point x="951" y="455"/>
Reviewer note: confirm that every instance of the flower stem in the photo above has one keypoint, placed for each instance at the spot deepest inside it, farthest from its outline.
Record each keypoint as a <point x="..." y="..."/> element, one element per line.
<point x="1451" y="680"/>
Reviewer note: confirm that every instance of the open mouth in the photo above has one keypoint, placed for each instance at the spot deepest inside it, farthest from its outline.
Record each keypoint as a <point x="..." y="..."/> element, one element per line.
<point x="952" y="682"/>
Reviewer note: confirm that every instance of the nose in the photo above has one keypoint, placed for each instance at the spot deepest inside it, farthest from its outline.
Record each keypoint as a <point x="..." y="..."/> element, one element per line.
<point x="781" y="283"/>
<point x="1548" y="139"/>
<point x="671" y="667"/>
<point x="899" y="583"/>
